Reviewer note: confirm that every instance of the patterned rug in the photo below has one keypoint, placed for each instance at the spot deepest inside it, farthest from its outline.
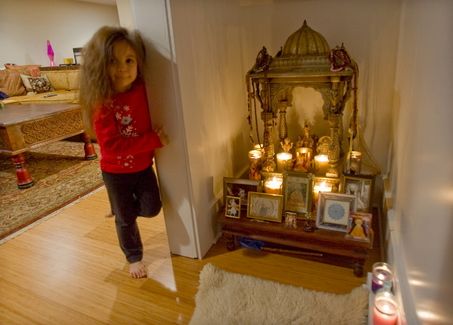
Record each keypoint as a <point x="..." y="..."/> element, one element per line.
<point x="61" y="175"/>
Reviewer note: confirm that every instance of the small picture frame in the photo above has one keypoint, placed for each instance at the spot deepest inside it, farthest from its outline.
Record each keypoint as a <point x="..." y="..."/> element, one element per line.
<point x="360" y="227"/>
<point x="239" y="187"/>
<point x="362" y="188"/>
<point x="297" y="189"/>
<point x="334" y="210"/>
<point x="290" y="219"/>
<point x="263" y="206"/>
<point x="233" y="207"/>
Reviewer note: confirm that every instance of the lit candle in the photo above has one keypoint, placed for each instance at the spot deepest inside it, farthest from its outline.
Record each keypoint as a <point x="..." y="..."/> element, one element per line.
<point x="321" y="164"/>
<point x="284" y="160"/>
<point x="385" y="311"/>
<point x="258" y="146"/>
<point x="356" y="162"/>
<point x="255" y="154"/>
<point x="382" y="276"/>
<point x="321" y="187"/>
<point x="255" y="164"/>
<point x="273" y="185"/>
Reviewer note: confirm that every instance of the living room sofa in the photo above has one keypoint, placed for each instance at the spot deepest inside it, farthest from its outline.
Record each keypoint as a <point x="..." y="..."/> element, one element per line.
<point x="35" y="84"/>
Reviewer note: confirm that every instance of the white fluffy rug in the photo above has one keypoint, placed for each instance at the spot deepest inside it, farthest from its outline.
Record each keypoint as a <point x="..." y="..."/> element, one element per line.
<point x="230" y="298"/>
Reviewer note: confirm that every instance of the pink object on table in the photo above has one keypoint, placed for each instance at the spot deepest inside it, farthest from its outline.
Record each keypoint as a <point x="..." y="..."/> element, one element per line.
<point x="50" y="53"/>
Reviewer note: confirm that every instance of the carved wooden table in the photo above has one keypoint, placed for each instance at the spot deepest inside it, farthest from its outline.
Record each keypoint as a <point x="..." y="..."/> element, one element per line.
<point x="26" y="126"/>
<point x="329" y="243"/>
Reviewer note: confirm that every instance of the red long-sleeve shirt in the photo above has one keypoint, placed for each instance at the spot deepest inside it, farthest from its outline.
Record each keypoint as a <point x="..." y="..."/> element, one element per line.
<point x="124" y="132"/>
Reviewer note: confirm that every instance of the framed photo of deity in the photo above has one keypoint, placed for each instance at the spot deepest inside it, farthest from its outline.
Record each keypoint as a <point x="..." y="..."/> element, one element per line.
<point x="360" y="227"/>
<point x="334" y="210"/>
<point x="239" y="187"/>
<point x="297" y="189"/>
<point x="233" y="207"/>
<point x="362" y="188"/>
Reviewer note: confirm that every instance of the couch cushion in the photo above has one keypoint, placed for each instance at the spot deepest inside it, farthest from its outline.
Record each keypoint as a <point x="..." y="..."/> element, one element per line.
<point x="11" y="83"/>
<point x="63" y="79"/>
<point x="59" y="96"/>
<point x="74" y="80"/>
<point x="58" y="79"/>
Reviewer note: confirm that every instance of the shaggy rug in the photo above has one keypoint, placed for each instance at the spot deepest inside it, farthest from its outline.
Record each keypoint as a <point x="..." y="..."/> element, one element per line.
<point x="229" y="298"/>
<point x="61" y="175"/>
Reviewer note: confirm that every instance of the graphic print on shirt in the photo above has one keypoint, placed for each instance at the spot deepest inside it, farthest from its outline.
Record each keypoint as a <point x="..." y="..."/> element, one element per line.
<point x="127" y="128"/>
<point x="127" y="161"/>
<point x="126" y="124"/>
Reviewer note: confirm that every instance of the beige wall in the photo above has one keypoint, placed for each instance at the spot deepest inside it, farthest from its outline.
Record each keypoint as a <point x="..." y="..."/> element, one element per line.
<point x="26" y="25"/>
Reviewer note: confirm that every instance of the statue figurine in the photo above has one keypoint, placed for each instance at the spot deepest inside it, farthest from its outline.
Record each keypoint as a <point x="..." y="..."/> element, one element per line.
<point x="254" y="172"/>
<point x="286" y="144"/>
<point x="307" y="140"/>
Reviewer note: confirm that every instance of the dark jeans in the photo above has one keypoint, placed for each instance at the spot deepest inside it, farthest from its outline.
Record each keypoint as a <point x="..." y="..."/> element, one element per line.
<point x="132" y="195"/>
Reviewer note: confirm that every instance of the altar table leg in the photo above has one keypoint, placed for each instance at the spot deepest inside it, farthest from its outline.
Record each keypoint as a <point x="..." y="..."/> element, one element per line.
<point x="358" y="268"/>
<point x="90" y="153"/>
<point x="230" y="242"/>
<point x="24" y="179"/>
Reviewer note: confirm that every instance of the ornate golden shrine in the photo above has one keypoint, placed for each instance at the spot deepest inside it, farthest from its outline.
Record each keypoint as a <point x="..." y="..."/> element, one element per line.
<point x="305" y="60"/>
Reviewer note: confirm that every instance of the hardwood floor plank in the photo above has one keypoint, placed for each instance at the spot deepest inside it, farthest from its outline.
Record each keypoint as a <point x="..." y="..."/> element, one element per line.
<point x="69" y="269"/>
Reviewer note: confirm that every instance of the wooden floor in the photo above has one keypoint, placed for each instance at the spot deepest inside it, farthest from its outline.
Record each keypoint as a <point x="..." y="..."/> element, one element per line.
<point x="70" y="270"/>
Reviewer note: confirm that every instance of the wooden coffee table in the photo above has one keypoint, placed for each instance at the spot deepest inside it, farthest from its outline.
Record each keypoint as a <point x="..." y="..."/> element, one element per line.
<point x="27" y="126"/>
<point x="329" y="244"/>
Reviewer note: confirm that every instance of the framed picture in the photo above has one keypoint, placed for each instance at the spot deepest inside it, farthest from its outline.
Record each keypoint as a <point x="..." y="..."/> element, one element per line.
<point x="233" y="207"/>
<point x="239" y="187"/>
<point x="290" y="219"/>
<point x="334" y="210"/>
<point x="297" y="192"/>
<point x="361" y="187"/>
<point x="78" y="56"/>
<point x="359" y="227"/>
<point x="265" y="206"/>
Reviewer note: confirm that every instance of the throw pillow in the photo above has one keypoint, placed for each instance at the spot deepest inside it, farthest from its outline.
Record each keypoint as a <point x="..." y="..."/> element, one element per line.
<point x="40" y="84"/>
<point x="11" y="83"/>
<point x="30" y="69"/>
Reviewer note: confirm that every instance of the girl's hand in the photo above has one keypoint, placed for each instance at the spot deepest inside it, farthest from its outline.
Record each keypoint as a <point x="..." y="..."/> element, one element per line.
<point x="162" y="135"/>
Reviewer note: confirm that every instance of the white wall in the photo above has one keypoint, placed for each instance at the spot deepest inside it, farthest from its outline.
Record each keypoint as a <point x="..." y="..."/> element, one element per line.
<point x="152" y="19"/>
<point x="26" y="25"/>
<point x="423" y="155"/>
<point x="216" y="44"/>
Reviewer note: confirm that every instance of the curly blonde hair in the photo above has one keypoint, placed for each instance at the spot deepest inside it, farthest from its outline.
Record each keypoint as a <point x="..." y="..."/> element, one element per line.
<point x="95" y="84"/>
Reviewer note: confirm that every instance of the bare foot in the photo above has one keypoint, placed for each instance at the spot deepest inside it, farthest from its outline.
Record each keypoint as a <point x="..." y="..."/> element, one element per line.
<point x="137" y="270"/>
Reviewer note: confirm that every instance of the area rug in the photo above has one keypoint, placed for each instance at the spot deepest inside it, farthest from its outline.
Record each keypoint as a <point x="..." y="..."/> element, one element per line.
<point x="61" y="175"/>
<point x="230" y="298"/>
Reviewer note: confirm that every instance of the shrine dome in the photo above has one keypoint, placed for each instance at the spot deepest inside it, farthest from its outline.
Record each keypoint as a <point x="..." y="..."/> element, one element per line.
<point x="305" y="42"/>
<point x="304" y="50"/>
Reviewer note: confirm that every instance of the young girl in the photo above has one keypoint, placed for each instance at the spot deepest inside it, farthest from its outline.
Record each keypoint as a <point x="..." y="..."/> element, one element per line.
<point x="115" y="105"/>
